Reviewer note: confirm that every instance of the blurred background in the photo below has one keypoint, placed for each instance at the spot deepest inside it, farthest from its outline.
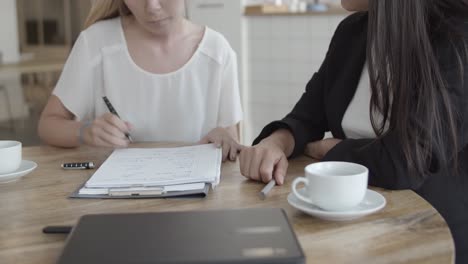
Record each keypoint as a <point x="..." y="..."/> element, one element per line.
<point x="279" y="43"/>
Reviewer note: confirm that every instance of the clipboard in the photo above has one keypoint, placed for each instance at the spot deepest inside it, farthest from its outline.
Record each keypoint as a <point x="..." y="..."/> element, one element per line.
<point x="150" y="194"/>
<point x="135" y="173"/>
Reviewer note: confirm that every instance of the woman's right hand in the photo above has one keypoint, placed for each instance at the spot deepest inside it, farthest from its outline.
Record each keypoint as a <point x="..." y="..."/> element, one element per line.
<point x="265" y="161"/>
<point x="107" y="131"/>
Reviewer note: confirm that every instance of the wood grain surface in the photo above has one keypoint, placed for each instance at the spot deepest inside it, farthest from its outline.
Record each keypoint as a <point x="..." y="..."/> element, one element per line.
<point x="407" y="230"/>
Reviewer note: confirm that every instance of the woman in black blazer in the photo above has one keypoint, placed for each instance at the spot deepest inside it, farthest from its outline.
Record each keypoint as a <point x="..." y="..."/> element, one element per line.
<point x="415" y="55"/>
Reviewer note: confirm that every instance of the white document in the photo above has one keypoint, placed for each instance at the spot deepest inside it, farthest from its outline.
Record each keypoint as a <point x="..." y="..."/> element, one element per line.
<point x="139" y="167"/>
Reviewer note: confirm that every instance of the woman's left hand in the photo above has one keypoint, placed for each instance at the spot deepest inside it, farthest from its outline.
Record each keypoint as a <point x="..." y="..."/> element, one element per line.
<point x="318" y="149"/>
<point x="222" y="138"/>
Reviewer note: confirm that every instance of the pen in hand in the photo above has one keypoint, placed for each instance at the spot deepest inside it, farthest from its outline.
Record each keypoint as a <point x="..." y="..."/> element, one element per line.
<point x="113" y="111"/>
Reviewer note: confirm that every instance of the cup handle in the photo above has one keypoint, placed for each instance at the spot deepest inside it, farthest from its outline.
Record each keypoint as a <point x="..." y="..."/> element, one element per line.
<point x="298" y="195"/>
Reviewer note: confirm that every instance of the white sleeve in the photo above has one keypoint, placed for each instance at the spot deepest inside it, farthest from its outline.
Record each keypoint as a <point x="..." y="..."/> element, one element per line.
<point x="230" y="108"/>
<point x="75" y="88"/>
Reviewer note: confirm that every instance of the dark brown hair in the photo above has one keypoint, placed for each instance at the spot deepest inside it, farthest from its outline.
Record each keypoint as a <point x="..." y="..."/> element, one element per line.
<point x="408" y="84"/>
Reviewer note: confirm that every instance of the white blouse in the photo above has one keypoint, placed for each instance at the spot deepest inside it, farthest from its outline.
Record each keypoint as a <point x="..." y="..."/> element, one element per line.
<point x="356" y="122"/>
<point x="183" y="105"/>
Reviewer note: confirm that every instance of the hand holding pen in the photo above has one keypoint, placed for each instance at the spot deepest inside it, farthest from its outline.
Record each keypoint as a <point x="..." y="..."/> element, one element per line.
<point x="107" y="130"/>
<point x="114" y="112"/>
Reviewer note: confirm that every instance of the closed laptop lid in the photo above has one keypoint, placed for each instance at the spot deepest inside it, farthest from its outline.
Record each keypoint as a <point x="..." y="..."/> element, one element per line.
<point x="226" y="236"/>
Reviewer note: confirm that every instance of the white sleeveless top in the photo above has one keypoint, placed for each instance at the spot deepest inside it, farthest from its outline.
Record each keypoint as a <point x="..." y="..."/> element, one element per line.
<point x="183" y="105"/>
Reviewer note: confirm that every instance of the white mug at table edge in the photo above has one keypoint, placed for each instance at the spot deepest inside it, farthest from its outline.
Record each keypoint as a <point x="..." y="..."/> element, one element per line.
<point x="333" y="185"/>
<point x="10" y="156"/>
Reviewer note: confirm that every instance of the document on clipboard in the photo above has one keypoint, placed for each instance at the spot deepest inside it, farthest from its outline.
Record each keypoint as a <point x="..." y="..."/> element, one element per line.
<point x="155" y="172"/>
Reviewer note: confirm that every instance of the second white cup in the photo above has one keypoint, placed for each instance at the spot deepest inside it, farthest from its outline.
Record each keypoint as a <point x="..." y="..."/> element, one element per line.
<point x="333" y="186"/>
<point x="10" y="156"/>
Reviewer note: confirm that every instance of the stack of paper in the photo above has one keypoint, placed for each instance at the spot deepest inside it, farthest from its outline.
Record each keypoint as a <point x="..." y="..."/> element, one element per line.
<point x="156" y="171"/>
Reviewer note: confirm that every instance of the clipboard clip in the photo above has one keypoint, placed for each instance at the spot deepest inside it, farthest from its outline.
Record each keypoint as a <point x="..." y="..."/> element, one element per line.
<point x="141" y="191"/>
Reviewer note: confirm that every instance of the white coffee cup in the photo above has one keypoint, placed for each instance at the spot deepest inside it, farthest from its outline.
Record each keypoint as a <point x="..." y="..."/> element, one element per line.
<point x="10" y="156"/>
<point x="333" y="186"/>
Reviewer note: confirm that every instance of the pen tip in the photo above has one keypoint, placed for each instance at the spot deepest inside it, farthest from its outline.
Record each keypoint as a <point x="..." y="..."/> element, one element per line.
<point x="262" y="196"/>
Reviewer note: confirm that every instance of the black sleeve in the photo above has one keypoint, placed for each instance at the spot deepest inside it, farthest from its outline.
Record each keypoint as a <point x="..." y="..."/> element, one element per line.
<point x="384" y="157"/>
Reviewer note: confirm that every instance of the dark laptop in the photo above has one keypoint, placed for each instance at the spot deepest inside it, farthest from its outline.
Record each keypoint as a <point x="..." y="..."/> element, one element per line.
<point x="226" y="236"/>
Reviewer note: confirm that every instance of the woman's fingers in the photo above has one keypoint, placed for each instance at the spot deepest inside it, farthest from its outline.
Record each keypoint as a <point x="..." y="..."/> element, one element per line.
<point x="280" y="170"/>
<point x="129" y="125"/>
<point x="100" y="143"/>
<point x="225" y="149"/>
<point x="112" y="130"/>
<point x="116" y="122"/>
<point x="205" y="140"/>
<point x="108" y="131"/>
<point x="100" y="136"/>
<point x="255" y="165"/>
<point x="263" y="163"/>
<point x="266" y="168"/>
<point x="95" y="138"/>
<point x="244" y="161"/>
<point x="113" y="141"/>
<point x="116" y="142"/>
<point x="233" y="151"/>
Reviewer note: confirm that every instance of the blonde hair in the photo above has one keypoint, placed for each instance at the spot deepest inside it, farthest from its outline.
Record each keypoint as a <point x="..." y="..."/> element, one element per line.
<point x="106" y="9"/>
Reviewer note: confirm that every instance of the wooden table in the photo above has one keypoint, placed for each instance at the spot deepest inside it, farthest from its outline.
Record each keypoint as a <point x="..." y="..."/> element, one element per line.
<point x="408" y="230"/>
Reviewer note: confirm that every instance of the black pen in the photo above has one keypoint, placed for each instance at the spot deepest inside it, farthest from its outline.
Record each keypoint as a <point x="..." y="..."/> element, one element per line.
<point x="112" y="110"/>
<point x="57" y="229"/>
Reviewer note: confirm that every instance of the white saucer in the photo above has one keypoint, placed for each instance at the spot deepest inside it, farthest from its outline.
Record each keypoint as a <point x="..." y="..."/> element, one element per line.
<point x="25" y="168"/>
<point x="373" y="202"/>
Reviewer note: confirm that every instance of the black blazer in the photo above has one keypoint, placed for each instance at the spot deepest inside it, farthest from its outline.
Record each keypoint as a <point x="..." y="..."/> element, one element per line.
<point x="324" y="103"/>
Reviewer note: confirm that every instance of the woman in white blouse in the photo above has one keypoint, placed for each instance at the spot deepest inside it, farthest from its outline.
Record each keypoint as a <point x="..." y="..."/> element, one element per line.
<point x="168" y="78"/>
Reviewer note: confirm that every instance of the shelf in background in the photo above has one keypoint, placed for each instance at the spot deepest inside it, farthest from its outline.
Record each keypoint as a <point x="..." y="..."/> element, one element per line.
<point x="33" y="66"/>
<point x="272" y="10"/>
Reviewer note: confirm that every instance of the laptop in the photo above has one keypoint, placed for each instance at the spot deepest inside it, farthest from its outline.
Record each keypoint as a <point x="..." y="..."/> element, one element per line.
<point x="192" y="237"/>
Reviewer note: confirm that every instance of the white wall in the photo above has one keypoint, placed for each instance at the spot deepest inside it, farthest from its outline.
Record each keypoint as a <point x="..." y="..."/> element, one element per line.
<point x="283" y="52"/>
<point x="11" y="93"/>
<point x="222" y="15"/>
<point x="9" y="43"/>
